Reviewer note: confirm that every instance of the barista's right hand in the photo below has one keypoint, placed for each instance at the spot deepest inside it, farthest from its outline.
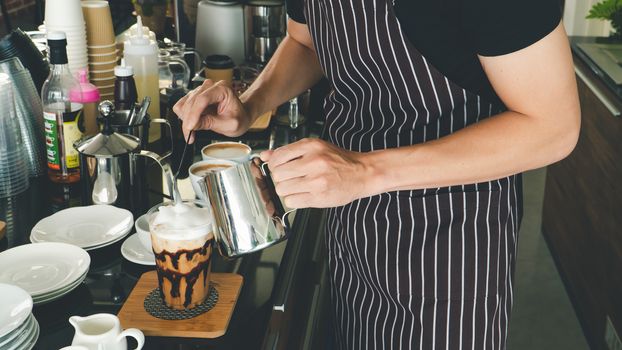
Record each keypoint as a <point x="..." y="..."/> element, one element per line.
<point x="213" y="106"/>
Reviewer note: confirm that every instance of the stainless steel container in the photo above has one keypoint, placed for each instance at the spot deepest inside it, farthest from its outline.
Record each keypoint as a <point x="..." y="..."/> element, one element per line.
<point x="220" y="29"/>
<point x="105" y="167"/>
<point x="249" y="215"/>
<point x="264" y="22"/>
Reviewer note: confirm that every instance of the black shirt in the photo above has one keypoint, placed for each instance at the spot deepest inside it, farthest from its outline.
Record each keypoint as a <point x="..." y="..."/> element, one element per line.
<point x="451" y="33"/>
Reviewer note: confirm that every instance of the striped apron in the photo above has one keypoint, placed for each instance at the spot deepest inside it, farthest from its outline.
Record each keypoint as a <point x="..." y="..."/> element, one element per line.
<point x="421" y="269"/>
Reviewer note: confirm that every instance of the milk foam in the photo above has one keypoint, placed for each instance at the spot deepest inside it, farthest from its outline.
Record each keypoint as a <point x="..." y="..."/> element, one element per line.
<point x="181" y="222"/>
<point x="226" y="152"/>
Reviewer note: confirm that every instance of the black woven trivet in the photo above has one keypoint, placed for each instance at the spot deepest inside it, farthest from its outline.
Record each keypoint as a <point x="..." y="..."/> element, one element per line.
<point x="155" y="306"/>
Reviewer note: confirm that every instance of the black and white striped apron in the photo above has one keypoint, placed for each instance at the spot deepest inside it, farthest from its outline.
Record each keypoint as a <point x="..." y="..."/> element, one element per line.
<point x="423" y="269"/>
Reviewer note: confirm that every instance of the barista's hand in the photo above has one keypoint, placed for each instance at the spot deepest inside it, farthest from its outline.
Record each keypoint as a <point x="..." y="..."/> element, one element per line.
<point x="213" y="106"/>
<point x="318" y="174"/>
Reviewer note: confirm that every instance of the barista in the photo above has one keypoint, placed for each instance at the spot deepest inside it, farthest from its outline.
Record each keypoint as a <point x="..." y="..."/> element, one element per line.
<point x="435" y="110"/>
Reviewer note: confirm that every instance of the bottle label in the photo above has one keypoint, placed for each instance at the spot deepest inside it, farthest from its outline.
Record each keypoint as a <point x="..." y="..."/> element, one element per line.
<point x="70" y="133"/>
<point x="51" y="140"/>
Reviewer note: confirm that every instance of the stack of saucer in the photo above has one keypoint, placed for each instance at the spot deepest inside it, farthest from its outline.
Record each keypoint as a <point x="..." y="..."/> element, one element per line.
<point x="46" y="271"/>
<point x="66" y="16"/>
<point x="89" y="227"/>
<point x="102" y="50"/>
<point x="18" y="327"/>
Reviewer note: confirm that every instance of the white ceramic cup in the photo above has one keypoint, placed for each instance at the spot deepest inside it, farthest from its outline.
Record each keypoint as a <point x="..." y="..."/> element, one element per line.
<point x="233" y="151"/>
<point x="142" y="229"/>
<point x="197" y="172"/>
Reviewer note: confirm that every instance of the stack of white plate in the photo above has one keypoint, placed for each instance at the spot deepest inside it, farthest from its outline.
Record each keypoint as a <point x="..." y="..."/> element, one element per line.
<point x="19" y="329"/>
<point x="89" y="227"/>
<point x="46" y="271"/>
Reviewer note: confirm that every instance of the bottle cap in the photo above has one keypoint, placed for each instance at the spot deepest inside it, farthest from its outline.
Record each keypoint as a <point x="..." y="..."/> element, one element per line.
<point x="139" y="38"/>
<point x="56" y="35"/>
<point x="85" y="92"/>
<point x="139" y="44"/>
<point x="123" y="70"/>
<point x="57" y="43"/>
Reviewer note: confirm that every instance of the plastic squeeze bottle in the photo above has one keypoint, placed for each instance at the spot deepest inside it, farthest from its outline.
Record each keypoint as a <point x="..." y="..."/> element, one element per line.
<point x="141" y="53"/>
<point x="88" y="95"/>
<point x="125" y="94"/>
<point x="62" y="115"/>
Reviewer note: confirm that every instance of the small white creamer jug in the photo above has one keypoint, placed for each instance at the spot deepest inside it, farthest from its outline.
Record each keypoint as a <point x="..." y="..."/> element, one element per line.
<point x="103" y="332"/>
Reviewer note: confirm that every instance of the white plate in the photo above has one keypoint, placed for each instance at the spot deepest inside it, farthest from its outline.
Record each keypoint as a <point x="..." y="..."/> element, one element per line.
<point x="109" y="242"/>
<point x="85" y="227"/>
<point x="43" y="268"/>
<point x="15" y="306"/>
<point x="19" y="336"/>
<point x="134" y="251"/>
<point x="59" y="294"/>
<point x="10" y="338"/>
<point x="30" y="338"/>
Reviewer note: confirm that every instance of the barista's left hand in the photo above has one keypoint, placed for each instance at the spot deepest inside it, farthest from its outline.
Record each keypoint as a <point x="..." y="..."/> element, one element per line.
<point x="318" y="174"/>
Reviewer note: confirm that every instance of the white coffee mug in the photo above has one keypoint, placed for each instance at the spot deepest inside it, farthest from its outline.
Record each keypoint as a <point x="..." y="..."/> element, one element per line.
<point x="142" y="229"/>
<point x="233" y="151"/>
<point x="195" y="176"/>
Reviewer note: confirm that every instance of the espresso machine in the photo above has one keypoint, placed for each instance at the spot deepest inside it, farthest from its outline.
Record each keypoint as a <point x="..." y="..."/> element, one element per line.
<point x="264" y="23"/>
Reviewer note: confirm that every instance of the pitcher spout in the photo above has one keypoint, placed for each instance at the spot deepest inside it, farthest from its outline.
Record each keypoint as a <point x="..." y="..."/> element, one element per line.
<point x="75" y="321"/>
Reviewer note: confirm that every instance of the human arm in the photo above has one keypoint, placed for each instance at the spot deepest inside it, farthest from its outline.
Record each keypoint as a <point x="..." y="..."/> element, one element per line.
<point x="541" y="126"/>
<point x="214" y="106"/>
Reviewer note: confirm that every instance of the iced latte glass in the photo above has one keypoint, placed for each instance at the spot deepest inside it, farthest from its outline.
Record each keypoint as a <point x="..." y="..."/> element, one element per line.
<point x="182" y="241"/>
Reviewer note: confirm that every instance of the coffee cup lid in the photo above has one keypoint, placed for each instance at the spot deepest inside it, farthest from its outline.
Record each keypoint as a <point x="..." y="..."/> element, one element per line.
<point x="218" y="62"/>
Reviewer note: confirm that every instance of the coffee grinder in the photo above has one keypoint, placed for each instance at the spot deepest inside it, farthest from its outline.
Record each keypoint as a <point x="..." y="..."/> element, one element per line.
<point x="264" y="22"/>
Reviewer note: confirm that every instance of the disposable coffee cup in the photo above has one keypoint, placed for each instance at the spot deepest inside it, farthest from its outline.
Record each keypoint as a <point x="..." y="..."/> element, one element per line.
<point x="103" y="65"/>
<point x="200" y="169"/>
<point x="182" y="240"/>
<point x="63" y="13"/>
<point x="106" y="91"/>
<point x="234" y="151"/>
<point x="99" y="58"/>
<point x="219" y="67"/>
<point x="98" y="23"/>
<point x="102" y="74"/>
<point x="101" y="50"/>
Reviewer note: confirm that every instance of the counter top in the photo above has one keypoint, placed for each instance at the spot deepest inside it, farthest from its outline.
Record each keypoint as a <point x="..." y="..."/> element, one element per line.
<point x="578" y="53"/>
<point x="111" y="277"/>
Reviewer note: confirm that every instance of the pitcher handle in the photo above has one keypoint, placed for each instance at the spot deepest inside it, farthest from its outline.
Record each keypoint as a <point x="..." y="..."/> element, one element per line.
<point x="170" y="133"/>
<point x="134" y="333"/>
<point x="263" y="166"/>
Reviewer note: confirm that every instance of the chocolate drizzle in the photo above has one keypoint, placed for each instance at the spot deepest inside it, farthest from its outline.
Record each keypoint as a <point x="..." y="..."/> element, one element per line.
<point x="191" y="277"/>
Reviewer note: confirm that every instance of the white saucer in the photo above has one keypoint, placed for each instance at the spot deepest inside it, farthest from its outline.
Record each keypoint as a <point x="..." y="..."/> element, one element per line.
<point x="29" y="338"/>
<point x="19" y="335"/>
<point x="43" y="268"/>
<point x="134" y="251"/>
<point x="87" y="227"/>
<point x="15" y="307"/>
<point x="60" y="293"/>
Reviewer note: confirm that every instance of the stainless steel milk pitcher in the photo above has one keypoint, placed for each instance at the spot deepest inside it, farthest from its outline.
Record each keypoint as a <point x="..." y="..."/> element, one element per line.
<point x="249" y="215"/>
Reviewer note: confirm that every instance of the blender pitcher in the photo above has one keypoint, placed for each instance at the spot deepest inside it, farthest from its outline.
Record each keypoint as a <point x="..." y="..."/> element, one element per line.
<point x="173" y="71"/>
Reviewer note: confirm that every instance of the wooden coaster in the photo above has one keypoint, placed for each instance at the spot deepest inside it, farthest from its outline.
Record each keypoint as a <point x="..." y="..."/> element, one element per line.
<point x="211" y="324"/>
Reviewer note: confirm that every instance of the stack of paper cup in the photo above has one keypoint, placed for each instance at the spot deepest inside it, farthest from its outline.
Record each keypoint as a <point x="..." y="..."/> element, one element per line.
<point x="66" y="16"/>
<point x="102" y="51"/>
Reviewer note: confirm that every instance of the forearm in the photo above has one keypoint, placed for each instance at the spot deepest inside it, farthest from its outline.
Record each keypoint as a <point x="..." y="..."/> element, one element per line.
<point x="502" y="145"/>
<point x="293" y="69"/>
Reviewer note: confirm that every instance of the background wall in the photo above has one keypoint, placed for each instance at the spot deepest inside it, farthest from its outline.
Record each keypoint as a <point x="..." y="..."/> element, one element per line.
<point x="575" y="22"/>
<point x="16" y="6"/>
